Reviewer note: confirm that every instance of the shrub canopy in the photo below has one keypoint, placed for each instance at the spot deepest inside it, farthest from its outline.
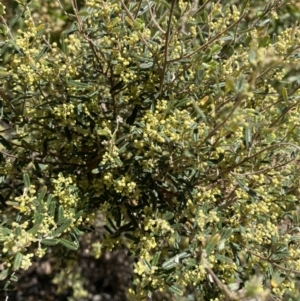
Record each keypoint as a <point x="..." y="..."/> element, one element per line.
<point x="175" y="122"/>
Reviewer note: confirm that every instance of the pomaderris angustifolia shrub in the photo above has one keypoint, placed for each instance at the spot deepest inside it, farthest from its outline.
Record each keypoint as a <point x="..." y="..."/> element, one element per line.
<point x="176" y="122"/>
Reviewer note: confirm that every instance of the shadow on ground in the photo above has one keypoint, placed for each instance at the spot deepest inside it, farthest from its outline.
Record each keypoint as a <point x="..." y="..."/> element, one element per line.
<point x="106" y="278"/>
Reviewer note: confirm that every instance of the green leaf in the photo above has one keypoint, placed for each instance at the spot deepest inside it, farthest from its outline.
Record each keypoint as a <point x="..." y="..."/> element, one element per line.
<point x="240" y="83"/>
<point x="69" y="244"/>
<point x="52" y="208"/>
<point x="49" y="199"/>
<point x="264" y="22"/>
<point x="2" y="9"/>
<point x="199" y="111"/>
<point x="78" y="214"/>
<point x="215" y="49"/>
<point x="226" y="233"/>
<point x="83" y="13"/>
<point x="61" y="214"/>
<point x="12" y="203"/>
<point x="42" y="194"/>
<point x="212" y="242"/>
<point x="4" y="274"/>
<point x="168" y="215"/>
<point x="176" y="290"/>
<point x="4" y="73"/>
<point x="277" y="279"/>
<point x="17" y="261"/>
<point x="78" y="84"/>
<point x="42" y="52"/>
<point x="123" y="147"/>
<point x="103" y="133"/>
<point x="38" y="217"/>
<point x="248" y="135"/>
<point x="223" y="258"/>
<point x="118" y="161"/>
<point x="264" y="41"/>
<point x="13" y="278"/>
<point x="295" y="238"/>
<point x="285" y="95"/>
<point x="172" y="262"/>
<point x="225" y="38"/>
<point x="26" y="180"/>
<point x="18" y="231"/>
<point x="155" y="259"/>
<point x="230" y="86"/>
<point x="247" y="41"/>
<point x="63" y="227"/>
<point x="205" y="16"/>
<point x="49" y="241"/>
<point x="146" y="65"/>
<point x="111" y="223"/>
<point x="34" y="229"/>
<point x="147" y="263"/>
<point x="15" y="18"/>
<point x="145" y="8"/>
<point x="77" y="231"/>
<point x="95" y="171"/>
<point x="250" y="191"/>
<point x="40" y="30"/>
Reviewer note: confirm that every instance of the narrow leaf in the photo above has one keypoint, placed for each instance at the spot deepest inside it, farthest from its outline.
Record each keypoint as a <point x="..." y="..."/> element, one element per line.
<point x="78" y="214"/>
<point x="155" y="259"/>
<point x="49" y="199"/>
<point x="248" y="135"/>
<point x="212" y="242"/>
<point x="285" y="95"/>
<point x="52" y="208"/>
<point x="62" y="228"/>
<point x="34" y="229"/>
<point x="61" y="214"/>
<point x="17" y="261"/>
<point x="69" y="244"/>
<point x="176" y="290"/>
<point x="49" y="241"/>
<point x="3" y="274"/>
<point x="26" y="180"/>
<point x="42" y="194"/>
<point x="13" y="278"/>
<point x="170" y="263"/>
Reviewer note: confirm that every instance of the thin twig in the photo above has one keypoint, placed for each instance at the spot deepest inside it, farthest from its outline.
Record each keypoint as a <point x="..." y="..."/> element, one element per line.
<point x="186" y="15"/>
<point x="211" y="40"/>
<point x="154" y="20"/>
<point x="165" y="63"/>
<point x="215" y="129"/>
<point x="138" y="9"/>
<point x="133" y="20"/>
<point x="223" y="287"/>
<point x="273" y="263"/>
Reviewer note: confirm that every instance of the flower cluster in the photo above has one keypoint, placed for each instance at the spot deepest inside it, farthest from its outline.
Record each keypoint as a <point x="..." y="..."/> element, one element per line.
<point x="26" y="200"/>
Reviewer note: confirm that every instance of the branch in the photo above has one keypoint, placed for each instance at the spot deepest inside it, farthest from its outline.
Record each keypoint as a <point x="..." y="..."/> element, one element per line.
<point x="273" y="263"/>
<point x="162" y="75"/>
<point x="153" y="19"/>
<point x="223" y="287"/>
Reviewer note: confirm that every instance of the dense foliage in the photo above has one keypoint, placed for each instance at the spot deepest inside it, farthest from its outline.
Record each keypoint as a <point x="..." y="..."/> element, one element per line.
<point x="175" y="122"/>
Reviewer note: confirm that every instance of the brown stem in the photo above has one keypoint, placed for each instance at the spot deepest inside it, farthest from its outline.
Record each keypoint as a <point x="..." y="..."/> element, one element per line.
<point x="162" y="75"/>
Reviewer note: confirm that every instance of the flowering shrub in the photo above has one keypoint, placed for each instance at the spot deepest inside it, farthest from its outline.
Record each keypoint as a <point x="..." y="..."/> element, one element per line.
<point x="178" y="122"/>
